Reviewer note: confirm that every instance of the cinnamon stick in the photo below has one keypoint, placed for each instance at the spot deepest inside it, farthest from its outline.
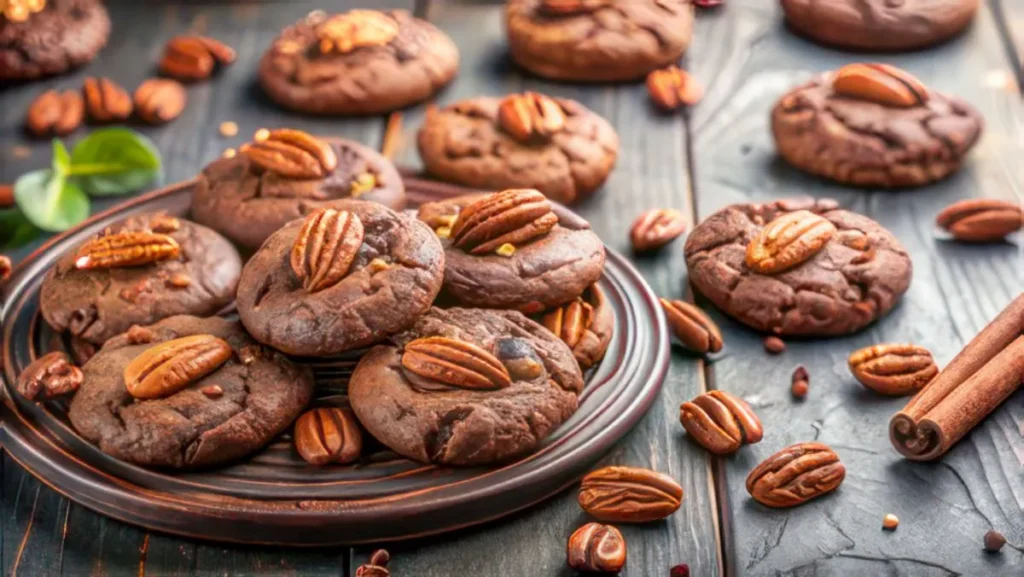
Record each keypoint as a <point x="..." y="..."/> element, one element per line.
<point x="976" y="381"/>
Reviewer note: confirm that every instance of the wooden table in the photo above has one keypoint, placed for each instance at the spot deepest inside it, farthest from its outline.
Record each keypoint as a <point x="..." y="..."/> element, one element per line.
<point x="715" y="154"/>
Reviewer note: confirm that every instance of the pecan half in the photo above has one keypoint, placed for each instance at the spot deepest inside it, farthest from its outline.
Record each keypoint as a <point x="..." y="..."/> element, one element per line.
<point x="328" y="435"/>
<point x="530" y="116"/>
<point x="981" y="219"/>
<point x="49" y="376"/>
<point x="570" y="7"/>
<point x="192" y="58"/>
<point x="656" y="228"/>
<point x="692" y="326"/>
<point x="596" y="548"/>
<point x="55" y="113"/>
<point x="377" y="566"/>
<point x="292" y="153"/>
<point x="788" y="241"/>
<point x="325" y="247"/>
<point x="720" y="422"/>
<point x="123" y="249"/>
<point x="105" y="100"/>
<point x="455" y="363"/>
<point x="171" y="366"/>
<point x="514" y="217"/>
<point x="343" y="33"/>
<point x="671" y="88"/>
<point x="893" y="369"/>
<point x="629" y="495"/>
<point x="159" y="100"/>
<point x="796" y="475"/>
<point x="570" y="322"/>
<point x="879" y="83"/>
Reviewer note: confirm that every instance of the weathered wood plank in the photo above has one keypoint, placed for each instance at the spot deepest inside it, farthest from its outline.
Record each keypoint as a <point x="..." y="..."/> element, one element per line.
<point x="1010" y="19"/>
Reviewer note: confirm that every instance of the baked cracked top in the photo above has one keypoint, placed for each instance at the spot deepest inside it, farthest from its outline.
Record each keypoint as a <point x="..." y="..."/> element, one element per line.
<point x="62" y="35"/>
<point x="344" y="277"/>
<point x="829" y="271"/>
<point x="253" y="395"/>
<point x="136" y="272"/>
<point x="248" y="197"/>
<point x="357" y="62"/>
<point x="466" y="387"/>
<point x="597" y="40"/>
<point x="529" y="140"/>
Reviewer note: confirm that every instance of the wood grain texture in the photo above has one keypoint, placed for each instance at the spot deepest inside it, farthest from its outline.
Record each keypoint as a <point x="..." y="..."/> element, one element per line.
<point x="1009" y="16"/>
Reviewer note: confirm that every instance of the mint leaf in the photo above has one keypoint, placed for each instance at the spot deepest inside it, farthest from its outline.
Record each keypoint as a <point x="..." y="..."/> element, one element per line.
<point x="15" y="230"/>
<point x="114" y="161"/>
<point x="49" y="201"/>
<point x="61" y="158"/>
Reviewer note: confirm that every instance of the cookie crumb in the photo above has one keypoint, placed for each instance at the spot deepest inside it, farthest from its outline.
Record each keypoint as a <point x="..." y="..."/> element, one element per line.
<point x="444" y="232"/>
<point x="801" y="382"/>
<point x="261" y="135"/>
<point x="890" y="522"/>
<point x="774" y="345"/>
<point x="228" y="128"/>
<point x="229" y="153"/>
<point x="506" y="249"/>
<point x="212" y="391"/>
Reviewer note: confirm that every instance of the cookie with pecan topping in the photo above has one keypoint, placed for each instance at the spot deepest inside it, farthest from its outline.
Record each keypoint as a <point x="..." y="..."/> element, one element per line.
<point x="45" y="38"/>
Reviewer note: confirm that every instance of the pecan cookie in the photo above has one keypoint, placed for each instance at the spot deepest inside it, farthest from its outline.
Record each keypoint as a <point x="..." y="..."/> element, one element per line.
<point x="60" y="36"/>
<point x="357" y="62"/>
<point x="798" y="267"/>
<point x="232" y="395"/>
<point x="466" y="387"/>
<point x="879" y="24"/>
<point x="554" y="145"/>
<point x="246" y="200"/>
<point x="514" y="250"/>
<point x="874" y="125"/>
<point x="137" y="272"/>
<point x="597" y="40"/>
<point x="344" y="277"/>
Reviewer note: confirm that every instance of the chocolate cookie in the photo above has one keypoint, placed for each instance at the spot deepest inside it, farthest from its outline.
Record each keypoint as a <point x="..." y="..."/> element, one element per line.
<point x="493" y="144"/>
<point x="246" y="201"/>
<point x="466" y="387"/>
<point x="344" y="277"/>
<point x="874" y="126"/>
<point x="879" y="24"/>
<point x="357" y="62"/>
<point x="514" y="250"/>
<point x="137" y="272"/>
<point x="62" y="35"/>
<point x="222" y="415"/>
<point x="597" y="40"/>
<point x="852" y="272"/>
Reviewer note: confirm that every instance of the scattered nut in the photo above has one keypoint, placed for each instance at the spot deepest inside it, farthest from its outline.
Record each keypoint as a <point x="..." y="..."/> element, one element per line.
<point x="212" y="391"/>
<point x="377" y="566"/>
<point x="261" y="135"/>
<point x="597" y="548"/>
<point x="49" y="376"/>
<point x="5" y="267"/>
<point x="994" y="541"/>
<point x="507" y="249"/>
<point x="801" y="382"/>
<point x="774" y="345"/>
<point x="178" y="280"/>
<point x="890" y="522"/>
<point x="160" y="100"/>
<point x="228" y="129"/>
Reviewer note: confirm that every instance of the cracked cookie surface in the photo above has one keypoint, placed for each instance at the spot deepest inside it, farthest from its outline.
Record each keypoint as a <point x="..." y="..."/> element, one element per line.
<point x="863" y="143"/>
<point x="620" y="42"/>
<point x="96" y="304"/>
<point x="261" y="393"/>
<point x="854" y="279"/>
<point x="459" y="426"/>
<point x="63" y="35"/>
<point x="246" y="204"/>
<point x="463" y="143"/>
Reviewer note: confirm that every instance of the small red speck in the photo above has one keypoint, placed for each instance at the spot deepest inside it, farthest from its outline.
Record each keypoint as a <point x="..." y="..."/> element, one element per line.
<point x="682" y="570"/>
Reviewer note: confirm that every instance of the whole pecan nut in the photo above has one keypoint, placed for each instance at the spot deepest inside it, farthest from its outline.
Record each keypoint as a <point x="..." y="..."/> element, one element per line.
<point x="656" y="228"/>
<point x="192" y="58"/>
<point x="788" y="241"/>
<point x="671" y="88"/>
<point x="377" y="566"/>
<point x="530" y="116"/>
<point x="692" y="326"/>
<point x="343" y="33"/>
<point x="325" y="248"/>
<point x="328" y="435"/>
<point x="55" y="113"/>
<point x="514" y="217"/>
<point x="49" y="376"/>
<point x="105" y="100"/>
<point x="124" y="249"/>
<point x="720" y="422"/>
<point x="879" y="83"/>
<point x="171" y="366"/>
<point x="292" y="153"/>
<point x="796" y="475"/>
<point x="981" y="219"/>
<point x="893" y="369"/>
<point x="455" y="363"/>
<point x="159" y="100"/>
<point x="596" y="548"/>
<point x="629" y="495"/>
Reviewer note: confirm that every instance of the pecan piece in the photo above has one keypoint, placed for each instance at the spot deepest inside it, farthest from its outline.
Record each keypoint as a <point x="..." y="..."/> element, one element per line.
<point x="596" y="548"/>
<point x="692" y="326"/>
<point x="55" y="113"/>
<point x="893" y="369"/>
<point x="514" y="216"/>
<point x="879" y="83"/>
<point x="192" y="58"/>
<point x="796" y="475"/>
<point x="671" y="88"/>
<point x="123" y="249"/>
<point x="377" y="566"/>
<point x="325" y="248"/>
<point x="656" y="228"/>
<point x="5" y="267"/>
<point x="570" y="322"/>
<point x="171" y="366"/>
<point x="530" y="116"/>
<point x="20" y="10"/>
<point x="343" y="33"/>
<point x="800" y="382"/>
<point x="328" y="435"/>
<point x="159" y="100"/>
<point x="292" y="153"/>
<point x="519" y="358"/>
<point x="455" y="363"/>
<point x="788" y="241"/>
<point x="49" y="376"/>
<point x="106" y="101"/>
<point x="720" y="422"/>
<point x="570" y="7"/>
<point x="981" y="219"/>
<point x="629" y="495"/>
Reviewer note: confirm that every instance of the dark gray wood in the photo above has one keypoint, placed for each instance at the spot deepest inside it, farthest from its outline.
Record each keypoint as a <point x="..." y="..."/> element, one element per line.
<point x="1009" y="15"/>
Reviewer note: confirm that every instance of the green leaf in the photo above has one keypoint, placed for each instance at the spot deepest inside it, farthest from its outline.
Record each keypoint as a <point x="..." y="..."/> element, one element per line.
<point x="114" y="161"/>
<point x="15" y="230"/>
<point x="61" y="158"/>
<point x="49" y="201"/>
